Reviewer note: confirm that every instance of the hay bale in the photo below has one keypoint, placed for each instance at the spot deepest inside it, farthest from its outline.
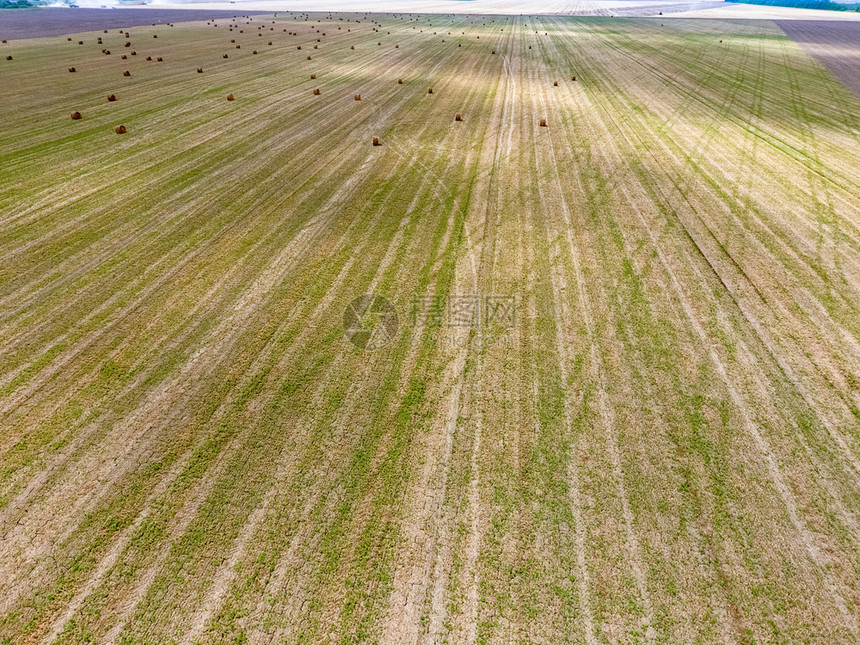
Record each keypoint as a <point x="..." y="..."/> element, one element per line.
<point x="120" y="129"/>
<point x="72" y="69"/>
<point x="358" y="97"/>
<point x="238" y="46"/>
<point x="555" y="83"/>
<point x="233" y="40"/>
<point x="126" y="73"/>
<point x="69" y="39"/>
<point x="124" y="57"/>
<point x="299" y="47"/>
<point x="397" y="47"/>
<point x="376" y="141"/>
<point x="127" y="45"/>
<point x="226" y="56"/>
<point x="573" y="78"/>
<point x="313" y="77"/>
<point x="134" y="53"/>
<point x="270" y="42"/>
<point x="155" y="35"/>
<point x="199" y="70"/>
<point x="80" y="42"/>
<point x="309" y="58"/>
<point x="149" y="58"/>
<point x="430" y="90"/>
<point x="111" y="97"/>
<point x="400" y="81"/>
<point x="8" y="58"/>
<point x="458" y="117"/>
<point x="315" y="47"/>
<point x="542" y="123"/>
<point x="352" y="46"/>
<point x="230" y="97"/>
<point x="316" y="92"/>
<point x="494" y="51"/>
<point x="254" y="52"/>
<point x="159" y="59"/>
<point x="76" y="116"/>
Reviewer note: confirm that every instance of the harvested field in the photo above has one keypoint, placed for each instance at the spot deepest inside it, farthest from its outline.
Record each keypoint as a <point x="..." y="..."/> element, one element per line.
<point x="835" y="44"/>
<point x="264" y="381"/>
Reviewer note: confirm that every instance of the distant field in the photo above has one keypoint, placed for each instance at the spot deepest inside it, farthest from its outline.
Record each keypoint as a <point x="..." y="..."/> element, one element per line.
<point x="612" y="387"/>
<point x="38" y="23"/>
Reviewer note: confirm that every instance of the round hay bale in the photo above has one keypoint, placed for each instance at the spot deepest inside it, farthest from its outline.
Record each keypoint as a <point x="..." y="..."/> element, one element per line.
<point x="238" y="46"/>
<point x="76" y="116"/>
<point x="400" y="81"/>
<point x="430" y="90"/>
<point x="69" y="39"/>
<point x="573" y="78"/>
<point x="230" y="97"/>
<point x="159" y="59"/>
<point x="226" y="56"/>
<point x="358" y="97"/>
<point x="352" y="46"/>
<point x="80" y="42"/>
<point x="126" y="73"/>
<point x="233" y="40"/>
<point x="309" y="58"/>
<point x="542" y="123"/>
<point x="254" y="52"/>
<point x="134" y="53"/>
<point x="376" y="141"/>
<point x="8" y="58"/>
<point x="111" y="97"/>
<point x="199" y="70"/>
<point x="458" y="117"/>
<point x="494" y="51"/>
<point x="313" y="77"/>
<point x="316" y="92"/>
<point x="127" y="45"/>
<point x="124" y="57"/>
<point x="149" y="58"/>
<point x="155" y="35"/>
<point x="270" y="42"/>
<point x="555" y="83"/>
<point x="72" y="69"/>
<point x="120" y="129"/>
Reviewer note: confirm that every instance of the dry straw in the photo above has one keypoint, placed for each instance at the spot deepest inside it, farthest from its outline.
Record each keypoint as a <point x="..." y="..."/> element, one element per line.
<point x="111" y="97"/>
<point x="76" y="116"/>
<point x="376" y="141"/>
<point x="120" y="129"/>
<point x="542" y="123"/>
<point x="230" y="97"/>
<point x="316" y="92"/>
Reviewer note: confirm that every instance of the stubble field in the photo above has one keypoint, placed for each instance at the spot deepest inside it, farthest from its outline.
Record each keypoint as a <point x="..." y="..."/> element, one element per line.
<point x="660" y="442"/>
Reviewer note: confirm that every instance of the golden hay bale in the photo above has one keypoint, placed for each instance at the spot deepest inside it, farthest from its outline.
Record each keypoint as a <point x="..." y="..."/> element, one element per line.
<point x="299" y="47"/>
<point x="159" y="59"/>
<point x="80" y="42"/>
<point x="376" y="141"/>
<point x="199" y="70"/>
<point x="352" y="46"/>
<point x="573" y="78"/>
<point x="309" y="58"/>
<point x="400" y="81"/>
<point x="72" y="69"/>
<point x="358" y="97"/>
<point x="8" y="58"/>
<point x="155" y="35"/>
<point x="76" y="116"/>
<point x="555" y="83"/>
<point x="397" y="47"/>
<point x="111" y="97"/>
<point x="542" y="123"/>
<point x="226" y="56"/>
<point x="254" y="52"/>
<point x="69" y="39"/>
<point x="316" y="92"/>
<point x="430" y="90"/>
<point x="126" y="73"/>
<point x="270" y="42"/>
<point x="230" y="97"/>
<point x="124" y="57"/>
<point x="238" y="46"/>
<point x="313" y="76"/>
<point x="494" y="51"/>
<point x="149" y="58"/>
<point x="127" y="45"/>
<point x="134" y="53"/>
<point x="458" y="117"/>
<point x="120" y="129"/>
<point x="233" y="40"/>
<point x="316" y="47"/>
